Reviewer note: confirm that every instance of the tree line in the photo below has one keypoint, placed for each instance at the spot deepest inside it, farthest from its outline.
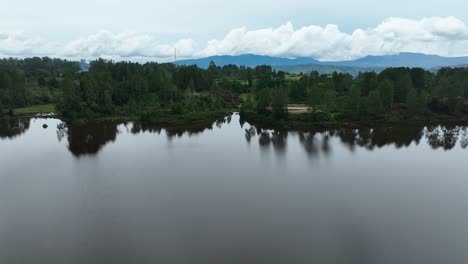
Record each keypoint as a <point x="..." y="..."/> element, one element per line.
<point x="394" y="94"/>
<point x="25" y="82"/>
<point x="148" y="90"/>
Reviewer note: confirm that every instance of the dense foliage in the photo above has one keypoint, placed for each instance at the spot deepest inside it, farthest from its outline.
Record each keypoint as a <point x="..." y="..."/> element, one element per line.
<point x="32" y="81"/>
<point x="392" y="95"/>
<point x="151" y="90"/>
<point x="148" y="90"/>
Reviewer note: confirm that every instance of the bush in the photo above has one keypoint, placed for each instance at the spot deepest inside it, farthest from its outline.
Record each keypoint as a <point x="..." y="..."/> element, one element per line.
<point x="395" y="117"/>
<point x="150" y="113"/>
<point x="321" y="117"/>
<point x="177" y="108"/>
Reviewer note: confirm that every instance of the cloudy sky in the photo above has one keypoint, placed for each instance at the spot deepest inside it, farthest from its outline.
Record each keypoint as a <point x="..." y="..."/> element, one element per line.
<point x="149" y="30"/>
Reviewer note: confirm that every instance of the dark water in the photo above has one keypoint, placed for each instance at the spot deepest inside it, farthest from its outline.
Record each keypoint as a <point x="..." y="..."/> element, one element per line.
<point x="222" y="193"/>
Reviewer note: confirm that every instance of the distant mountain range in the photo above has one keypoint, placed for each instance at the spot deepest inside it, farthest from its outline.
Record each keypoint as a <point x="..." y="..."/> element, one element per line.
<point x="404" y="59"/>
<point x="249" y="60"/>
<point x="326" y="69"/>
<point x="369" y="63"/>
<point x="84" y="66"/>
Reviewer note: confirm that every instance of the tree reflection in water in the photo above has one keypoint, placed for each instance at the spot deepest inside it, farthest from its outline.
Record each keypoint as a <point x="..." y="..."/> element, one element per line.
<point x="87" y="139"/>
<point x="379" y="137"/>
<point x="178" y="131"/>
<point x="310" y="142"/>
<point x="317" y="142"/>
<point x="267" y="138"/>
<point x="249" y="134"/>
<point x="13" y="127"/>
<point x="90" y="138"/>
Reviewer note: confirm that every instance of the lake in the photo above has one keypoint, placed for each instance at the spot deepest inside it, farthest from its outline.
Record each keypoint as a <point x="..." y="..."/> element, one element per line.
<point x="227" y="192"/>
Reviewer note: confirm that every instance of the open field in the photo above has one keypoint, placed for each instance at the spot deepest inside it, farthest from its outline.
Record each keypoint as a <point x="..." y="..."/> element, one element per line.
<point x="36" y="109"/>
<point x="298" y="108"/>
<point x="244" y="96"/>
<point x="293" y="77"/>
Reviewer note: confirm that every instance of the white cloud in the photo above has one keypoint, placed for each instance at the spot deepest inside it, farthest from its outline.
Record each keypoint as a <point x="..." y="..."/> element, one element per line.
<point x="105" y="44"/>
<point x="443" y="36"/>
<point x="446" y="36"/>
<point x="126" y="45"/>
<point x="18" y="44"/>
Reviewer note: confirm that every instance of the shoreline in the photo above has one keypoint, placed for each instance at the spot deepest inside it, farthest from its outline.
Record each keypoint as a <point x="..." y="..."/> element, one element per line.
<point x="266" y="122"/>
<point x="163" y="119"/>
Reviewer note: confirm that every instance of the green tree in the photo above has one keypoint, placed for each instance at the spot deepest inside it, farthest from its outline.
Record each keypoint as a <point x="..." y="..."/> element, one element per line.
<point x="421" y="101"/>
<point x="248" y="105"/>
<point x="364" y="113"/>
<point x="367" y="82"/>
<point x="441" y="87"/>
<point x="249" y="77"/>
<point x="353" y="103"/>
<point x="213" y="69"/>
<point x="263" y="101"/>
<point x="412" y="102"/>
<point x="329" y="100"/>
<point x="315" y="97"/>
<point x="279" y="103"/>
<point x="387" y="93"/>
<point x="455" y="97"/>
<point x="402" y="85"/>
<point x="70" y="105"/>
<point x="298" y="92"/>
<point x="374" y="104"/>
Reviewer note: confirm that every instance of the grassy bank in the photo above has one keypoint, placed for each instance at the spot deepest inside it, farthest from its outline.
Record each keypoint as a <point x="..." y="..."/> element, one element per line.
<point x="36" y="109"/>
<point x="160" y="118"/>
<point x="313" y="121"/>
<point x="167" y="118"/>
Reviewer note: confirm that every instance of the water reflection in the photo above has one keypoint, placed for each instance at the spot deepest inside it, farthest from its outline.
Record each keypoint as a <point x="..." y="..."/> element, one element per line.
<point x="250" y="133"/>
<point x="241" y="195"/>
<point x="176" y="131"/>
<point x="315" y="142"/>
<point x="379" y="137"/>
<point x="87" y="139"/>
<point x="437" y="137"/>
<point x="90" y="138"/>
<point x="446" y="137"/>
<point x="13" y="127"/>
<point x="318" y="141"/>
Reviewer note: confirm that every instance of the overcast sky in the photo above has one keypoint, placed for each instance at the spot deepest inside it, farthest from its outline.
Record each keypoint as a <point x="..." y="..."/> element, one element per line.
<point x="150" y="29"/>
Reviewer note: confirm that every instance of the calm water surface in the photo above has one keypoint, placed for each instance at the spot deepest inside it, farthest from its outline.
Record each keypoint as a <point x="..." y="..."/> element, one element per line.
<point x="226" y="193"/>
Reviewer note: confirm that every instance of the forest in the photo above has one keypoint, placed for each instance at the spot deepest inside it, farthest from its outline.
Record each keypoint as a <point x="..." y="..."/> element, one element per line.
<point x="156" y="92"/>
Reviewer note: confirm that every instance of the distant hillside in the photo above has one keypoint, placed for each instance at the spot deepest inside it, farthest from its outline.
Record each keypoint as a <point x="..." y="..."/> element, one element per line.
<point x="84" y="66"/>
<point x="436" y="69"/>
<point x="326" y="69"/>
<point x="247" y="60"/>
<point x="369" y="63"/>
<point x="403" y="59"/>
